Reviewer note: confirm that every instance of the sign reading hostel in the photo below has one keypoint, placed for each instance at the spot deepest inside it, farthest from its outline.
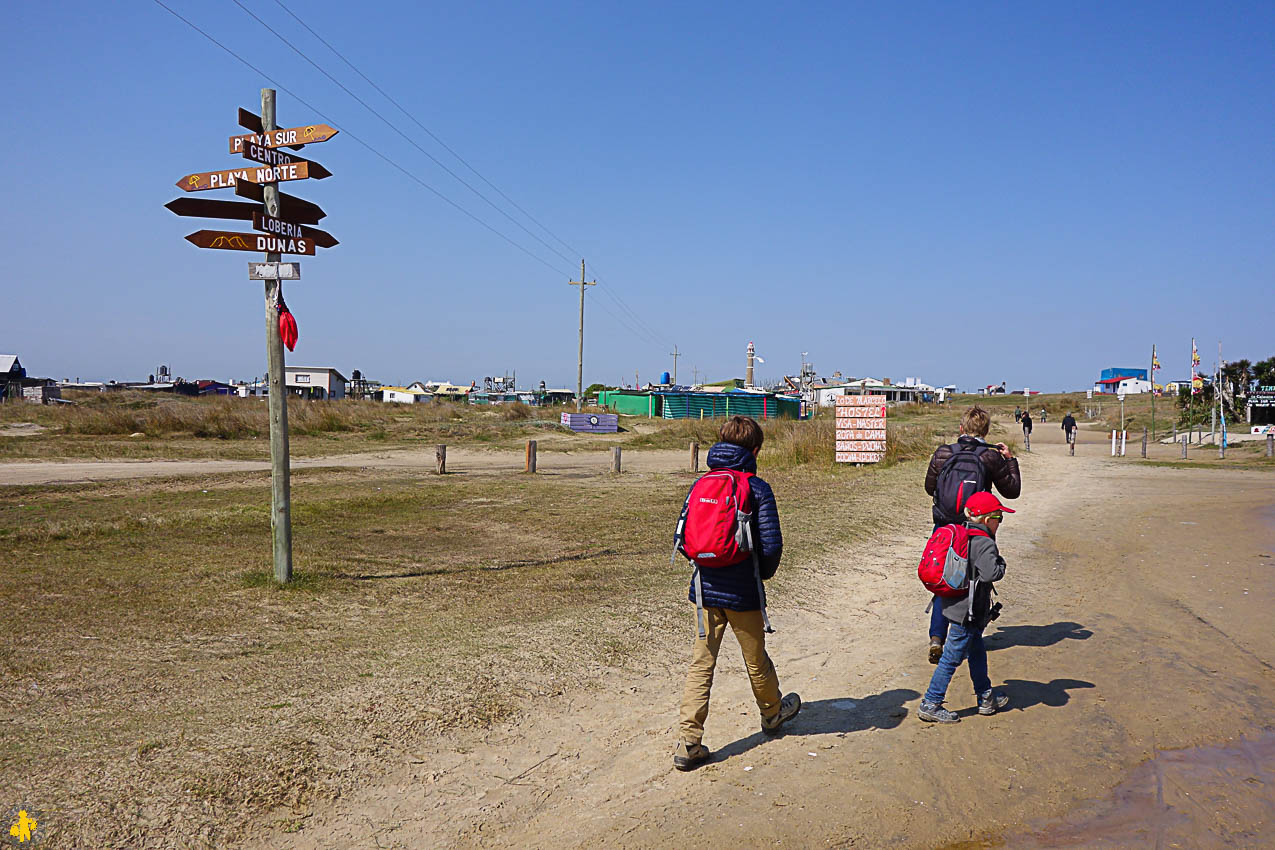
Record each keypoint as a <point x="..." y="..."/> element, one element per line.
<point x="860" y="429"/>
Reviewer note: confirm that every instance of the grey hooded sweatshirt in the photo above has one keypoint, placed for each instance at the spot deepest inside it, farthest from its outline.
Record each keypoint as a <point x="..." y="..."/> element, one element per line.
<point x="986" y="566"/>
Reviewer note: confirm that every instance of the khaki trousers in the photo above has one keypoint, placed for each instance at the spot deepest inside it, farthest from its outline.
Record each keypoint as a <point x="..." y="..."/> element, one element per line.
<point x="750" y="632"/>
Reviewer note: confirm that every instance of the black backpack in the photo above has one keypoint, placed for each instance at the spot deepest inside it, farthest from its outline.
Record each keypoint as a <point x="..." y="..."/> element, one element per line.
<point x="962" y="476"/>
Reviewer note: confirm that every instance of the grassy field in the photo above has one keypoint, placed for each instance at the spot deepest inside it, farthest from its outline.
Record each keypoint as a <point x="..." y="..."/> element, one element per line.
<point x="154" y="681"/>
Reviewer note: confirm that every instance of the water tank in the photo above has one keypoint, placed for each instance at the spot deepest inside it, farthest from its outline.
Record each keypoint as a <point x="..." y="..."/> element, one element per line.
<point x="665" y="378"/>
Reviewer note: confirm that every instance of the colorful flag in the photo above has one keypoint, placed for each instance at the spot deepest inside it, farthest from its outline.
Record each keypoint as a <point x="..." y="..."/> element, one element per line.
<point x="1195" y="354"/>
<point x="1197" y="383"/>
<point x="1155" y="361"/>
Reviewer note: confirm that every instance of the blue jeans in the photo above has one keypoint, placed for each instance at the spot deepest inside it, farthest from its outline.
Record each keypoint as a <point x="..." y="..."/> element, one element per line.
<point x="938" y="623"/>
<point x="962" y="643"/>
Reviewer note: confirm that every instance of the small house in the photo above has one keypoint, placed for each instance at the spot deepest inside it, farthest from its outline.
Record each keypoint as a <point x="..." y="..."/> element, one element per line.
<point x="405" y="395"/>
<point x="320" y="383"/>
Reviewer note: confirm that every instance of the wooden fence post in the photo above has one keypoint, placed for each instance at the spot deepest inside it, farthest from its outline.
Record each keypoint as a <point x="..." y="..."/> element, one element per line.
<point x="1144" y="442"/>
<point x="695" y="456"/>
<point x="531" y="455"/>
<point x="1185" y="440"/>
<point x="615" y="459"/>
<point x="440" y="460"/>
<point x="1270" y="445"/>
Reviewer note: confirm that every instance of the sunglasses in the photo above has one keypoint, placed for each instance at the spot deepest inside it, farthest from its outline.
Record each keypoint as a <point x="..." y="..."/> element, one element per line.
<point x="996" y="516"/>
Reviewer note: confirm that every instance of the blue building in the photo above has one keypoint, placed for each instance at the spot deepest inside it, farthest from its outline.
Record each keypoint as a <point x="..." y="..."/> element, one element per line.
<point x="1109" y="375"/>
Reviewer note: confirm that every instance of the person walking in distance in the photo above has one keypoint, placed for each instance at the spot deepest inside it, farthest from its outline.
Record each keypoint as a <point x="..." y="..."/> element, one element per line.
<point x="957" y="471"/>
<point x="729" y="530"/>
<point x="1027" y="429"/>
<point x="1069" y="427"/>
<point x="1018" y="413"/>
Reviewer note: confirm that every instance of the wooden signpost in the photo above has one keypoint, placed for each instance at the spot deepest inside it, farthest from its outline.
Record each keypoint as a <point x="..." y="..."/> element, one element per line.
<point x="279" y="222"/>
<point x="283" y="138"/>
<point x="226" y="241"/>
<point x="860" y="429"/>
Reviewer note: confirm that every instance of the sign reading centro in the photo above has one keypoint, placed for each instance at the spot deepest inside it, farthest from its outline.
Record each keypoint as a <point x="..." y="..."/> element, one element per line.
<point x="284" y="138"/>
<point x="227" y="241"/>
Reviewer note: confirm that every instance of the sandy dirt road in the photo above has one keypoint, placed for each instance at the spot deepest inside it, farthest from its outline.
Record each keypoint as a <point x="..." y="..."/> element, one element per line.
<point x="460" y="461"/>
<point x="1136" y="622"/>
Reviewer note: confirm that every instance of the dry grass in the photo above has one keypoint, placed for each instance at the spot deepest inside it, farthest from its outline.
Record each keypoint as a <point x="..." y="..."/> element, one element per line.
<point x="157" y="690"/>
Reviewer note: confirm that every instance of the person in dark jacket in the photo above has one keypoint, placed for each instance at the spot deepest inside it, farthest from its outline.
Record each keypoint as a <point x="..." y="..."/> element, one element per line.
<point x="733" y="595"/>
<point x="1002" y="473"/>
<point x="1027" y="429"/>
<point x="1069" y="427"/>
<point x="969" y="616"/>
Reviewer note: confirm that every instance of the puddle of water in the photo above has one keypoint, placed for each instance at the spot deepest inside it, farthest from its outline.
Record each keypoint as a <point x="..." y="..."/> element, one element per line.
<point x="1198" y="797"/>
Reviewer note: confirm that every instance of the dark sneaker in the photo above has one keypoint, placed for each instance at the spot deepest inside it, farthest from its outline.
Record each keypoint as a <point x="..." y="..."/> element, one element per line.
<point x="936" y="650"/>
<point x="788" y="708"/>
<point x="990" y="701"/>
<point x="689" y="756"/>
<point x="934" y="712"/>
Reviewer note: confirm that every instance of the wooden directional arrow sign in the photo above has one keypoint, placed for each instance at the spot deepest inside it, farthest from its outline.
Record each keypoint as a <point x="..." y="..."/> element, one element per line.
<point x="208" y="208"/>
<point x="226" y="241"/>
<point x="291" y="230"/>
<point x="229" y="178"/>
<point x="290" y="207"/>
<point x="286" y="137"/>
<point x="274" y="156"/>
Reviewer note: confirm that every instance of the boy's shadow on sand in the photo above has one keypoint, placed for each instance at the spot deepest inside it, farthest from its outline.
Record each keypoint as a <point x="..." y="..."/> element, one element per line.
<point x="1008" y="636"/>
<point x="833" y="716"/>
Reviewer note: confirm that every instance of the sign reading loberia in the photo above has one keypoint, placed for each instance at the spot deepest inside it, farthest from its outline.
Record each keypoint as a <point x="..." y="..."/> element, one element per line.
<point x="860" y="429"/>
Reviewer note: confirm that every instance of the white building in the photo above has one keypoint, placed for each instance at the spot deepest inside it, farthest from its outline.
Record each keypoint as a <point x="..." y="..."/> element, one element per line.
<point x="1128" y="386"/>
<point x="315" y="382"/>
<point x="405" y="395"/>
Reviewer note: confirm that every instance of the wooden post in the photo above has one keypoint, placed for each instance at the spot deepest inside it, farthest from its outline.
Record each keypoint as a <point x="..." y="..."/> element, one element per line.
<point x="694" y="456"/>
<point x="1175" y="433"/>
<point x="1073" y="444"/>
<point x="1221" y="449"/>
<point x="440" y="459"/>
<point x="1144" y="442"/>
<point x="1270" y="445"/>
<point x="280" y="481"/>
<point x="1185" y="440"/>
<point x="531" y="456"/>
<point x="615" y="460"/>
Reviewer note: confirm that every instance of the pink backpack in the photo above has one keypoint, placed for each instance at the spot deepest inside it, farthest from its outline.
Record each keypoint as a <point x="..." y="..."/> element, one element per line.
<point x="945" y="563"/>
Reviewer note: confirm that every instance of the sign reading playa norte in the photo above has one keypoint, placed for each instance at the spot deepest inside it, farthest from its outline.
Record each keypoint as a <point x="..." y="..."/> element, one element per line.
<point x="860" y="428"/>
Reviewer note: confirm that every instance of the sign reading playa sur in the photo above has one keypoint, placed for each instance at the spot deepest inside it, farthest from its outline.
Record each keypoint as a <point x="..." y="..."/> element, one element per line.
<point x="860" y="428"/>
<point x="289" y="137"/>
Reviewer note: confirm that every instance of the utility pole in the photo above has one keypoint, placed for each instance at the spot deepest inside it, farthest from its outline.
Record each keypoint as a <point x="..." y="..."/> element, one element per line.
<point x="582" y="283"/>
<point x="675" y="355"/>
<point x="694" y="376"/>
<point x="280" y="474"/>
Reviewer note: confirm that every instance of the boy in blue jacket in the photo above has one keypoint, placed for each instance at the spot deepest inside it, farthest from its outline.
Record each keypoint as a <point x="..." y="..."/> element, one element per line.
<point x="732" y="596"/>
<point x="969" y="615"/>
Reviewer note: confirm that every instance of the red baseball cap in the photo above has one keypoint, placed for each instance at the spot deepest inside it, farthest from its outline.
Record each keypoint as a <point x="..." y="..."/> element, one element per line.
<point x="981" y="504"/>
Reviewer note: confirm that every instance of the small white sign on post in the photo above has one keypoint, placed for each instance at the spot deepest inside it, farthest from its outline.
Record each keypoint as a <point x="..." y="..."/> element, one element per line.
<point x="274" y="271"/>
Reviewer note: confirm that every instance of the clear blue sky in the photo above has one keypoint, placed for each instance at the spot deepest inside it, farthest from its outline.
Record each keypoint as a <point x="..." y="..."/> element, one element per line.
<point x="969" y="193"/>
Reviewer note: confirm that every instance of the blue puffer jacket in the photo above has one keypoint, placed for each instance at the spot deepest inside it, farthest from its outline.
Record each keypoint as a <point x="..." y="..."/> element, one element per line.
<point x="735" y="587"/>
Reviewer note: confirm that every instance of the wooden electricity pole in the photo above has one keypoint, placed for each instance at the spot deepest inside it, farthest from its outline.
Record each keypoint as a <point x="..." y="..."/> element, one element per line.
<point x="582" y="283"/>
<point x="280" y="481"/>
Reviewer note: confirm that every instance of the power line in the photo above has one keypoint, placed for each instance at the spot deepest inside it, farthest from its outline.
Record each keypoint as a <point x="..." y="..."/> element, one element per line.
<point x="409" y="174"/>
<point x="650" y="331"/>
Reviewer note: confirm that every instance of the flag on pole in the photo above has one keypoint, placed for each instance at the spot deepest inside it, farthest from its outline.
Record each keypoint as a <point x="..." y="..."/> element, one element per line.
<point x="1197" y="383"/>
<point x="1155" y="361"/>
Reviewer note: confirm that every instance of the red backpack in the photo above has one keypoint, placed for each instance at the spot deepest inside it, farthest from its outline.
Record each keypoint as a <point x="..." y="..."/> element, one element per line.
<point x="945" y="563"/>
<point x="714" y="530"/>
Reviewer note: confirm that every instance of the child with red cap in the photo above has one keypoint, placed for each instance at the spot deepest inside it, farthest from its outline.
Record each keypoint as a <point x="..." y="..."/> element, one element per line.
<point x="970" y="614"/>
